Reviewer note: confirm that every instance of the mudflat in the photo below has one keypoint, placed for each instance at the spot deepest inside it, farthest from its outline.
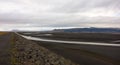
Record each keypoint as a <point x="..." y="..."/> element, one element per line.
<point x="85" y="54"/>
<point x="85" y="37"/>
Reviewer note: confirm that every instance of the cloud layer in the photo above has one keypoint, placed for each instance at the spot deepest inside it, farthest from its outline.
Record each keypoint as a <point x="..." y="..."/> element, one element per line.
<point x="34" y="14"/>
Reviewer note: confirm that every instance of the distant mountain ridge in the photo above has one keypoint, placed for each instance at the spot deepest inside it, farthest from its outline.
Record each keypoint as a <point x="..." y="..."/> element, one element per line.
<point x="90" y="30"/>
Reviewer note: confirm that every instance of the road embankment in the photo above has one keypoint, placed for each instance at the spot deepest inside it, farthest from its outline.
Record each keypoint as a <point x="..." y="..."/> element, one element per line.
<point x="26" y="52"/>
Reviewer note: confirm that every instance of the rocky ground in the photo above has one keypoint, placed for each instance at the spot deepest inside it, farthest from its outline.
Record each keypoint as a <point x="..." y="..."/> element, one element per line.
<point x="25" y="52"/>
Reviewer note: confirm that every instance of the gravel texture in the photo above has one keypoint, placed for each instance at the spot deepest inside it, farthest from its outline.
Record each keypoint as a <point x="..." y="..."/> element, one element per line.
<point x="25" y="52"/>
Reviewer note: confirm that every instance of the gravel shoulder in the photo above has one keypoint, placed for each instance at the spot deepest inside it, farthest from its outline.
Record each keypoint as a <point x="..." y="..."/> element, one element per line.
<point x="25" y="52"/>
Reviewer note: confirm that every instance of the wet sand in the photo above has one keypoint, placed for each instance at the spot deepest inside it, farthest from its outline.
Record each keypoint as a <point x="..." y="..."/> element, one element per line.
<point x="86" y="54"/>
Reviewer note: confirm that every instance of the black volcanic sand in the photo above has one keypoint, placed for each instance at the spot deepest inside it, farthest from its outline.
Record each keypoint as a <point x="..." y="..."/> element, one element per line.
<point x="86" y="54"/>
<point x="5" y="47"/>
<point x="87" y="37"/>
<point x="83" y="54"/>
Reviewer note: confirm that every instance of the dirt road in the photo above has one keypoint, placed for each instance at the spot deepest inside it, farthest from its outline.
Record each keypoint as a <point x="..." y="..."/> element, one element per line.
<point x="5" y="49"/>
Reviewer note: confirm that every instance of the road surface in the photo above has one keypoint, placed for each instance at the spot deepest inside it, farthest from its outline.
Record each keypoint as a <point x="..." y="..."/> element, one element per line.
<point x="5" y="44"/>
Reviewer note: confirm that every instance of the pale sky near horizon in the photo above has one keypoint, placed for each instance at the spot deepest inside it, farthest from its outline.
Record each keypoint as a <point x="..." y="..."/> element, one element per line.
<point x="36" y="14"/>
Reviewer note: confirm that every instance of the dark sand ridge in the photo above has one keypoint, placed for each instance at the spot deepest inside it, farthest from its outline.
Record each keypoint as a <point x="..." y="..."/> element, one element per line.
<point x="25" y="52"/>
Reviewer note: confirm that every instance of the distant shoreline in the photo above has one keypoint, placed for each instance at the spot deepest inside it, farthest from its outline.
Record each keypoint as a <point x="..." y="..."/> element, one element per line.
<point x="83" y="37"/>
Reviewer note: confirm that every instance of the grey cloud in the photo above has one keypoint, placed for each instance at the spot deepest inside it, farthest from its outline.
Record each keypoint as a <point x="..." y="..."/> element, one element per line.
<point x="83" y="5"/>
<point x="60" y="13"/>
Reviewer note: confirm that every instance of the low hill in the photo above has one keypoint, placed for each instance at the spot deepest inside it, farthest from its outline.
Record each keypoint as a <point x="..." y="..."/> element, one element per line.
<point x="90" y="30"/>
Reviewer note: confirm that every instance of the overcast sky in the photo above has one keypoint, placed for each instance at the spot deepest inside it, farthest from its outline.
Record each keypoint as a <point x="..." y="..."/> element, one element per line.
<point x="36" y="14"/>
